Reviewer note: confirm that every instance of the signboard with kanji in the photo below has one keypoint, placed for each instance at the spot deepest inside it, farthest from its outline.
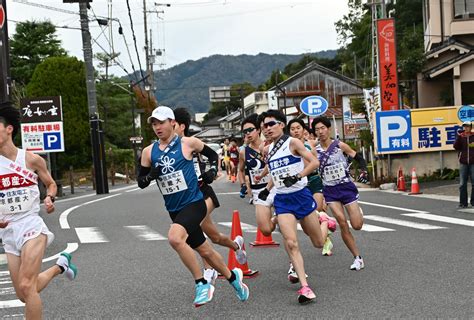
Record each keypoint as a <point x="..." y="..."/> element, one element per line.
<point x="387" y="58"/>
<point x="419" y="130"/>
<point x="42" y="125"/>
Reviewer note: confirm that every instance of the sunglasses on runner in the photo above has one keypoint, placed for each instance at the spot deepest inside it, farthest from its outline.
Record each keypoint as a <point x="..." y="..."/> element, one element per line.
<point x="248" y="130"/>
<point x="270" y="123"/>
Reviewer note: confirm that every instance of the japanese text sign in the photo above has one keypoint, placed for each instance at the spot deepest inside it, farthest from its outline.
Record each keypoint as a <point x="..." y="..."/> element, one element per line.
<point x="387" y="59"/>
<point x="44" y="109"/>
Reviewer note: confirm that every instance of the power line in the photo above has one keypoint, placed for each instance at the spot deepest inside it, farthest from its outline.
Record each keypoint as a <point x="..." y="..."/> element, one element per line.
<point x="134" y="38"/>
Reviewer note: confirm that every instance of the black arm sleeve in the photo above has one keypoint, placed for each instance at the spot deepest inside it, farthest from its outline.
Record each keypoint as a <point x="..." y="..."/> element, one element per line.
<point x="211" y="155"/>
<point x="361" y="160"/>
<point x="142" y="178"/>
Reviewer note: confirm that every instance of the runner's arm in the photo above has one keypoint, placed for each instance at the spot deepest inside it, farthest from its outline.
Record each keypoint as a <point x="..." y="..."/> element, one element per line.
<point x="200" y="147"/>
<point x="297" y="147"/>
<point x="39" y="166"/>
<point x="241" y="169"/>
<point x="364" y="175"/>
<point x="145" y="174"/>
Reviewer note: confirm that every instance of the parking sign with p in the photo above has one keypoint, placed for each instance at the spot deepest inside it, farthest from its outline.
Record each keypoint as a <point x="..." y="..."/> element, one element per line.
<point x="393" y="131"/>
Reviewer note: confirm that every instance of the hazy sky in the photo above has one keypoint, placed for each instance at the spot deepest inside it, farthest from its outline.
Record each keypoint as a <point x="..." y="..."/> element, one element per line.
<point x="192" y="29"/>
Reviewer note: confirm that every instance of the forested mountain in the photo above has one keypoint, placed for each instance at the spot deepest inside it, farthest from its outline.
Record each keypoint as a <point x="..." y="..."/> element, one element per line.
<point x="187" y="84"/>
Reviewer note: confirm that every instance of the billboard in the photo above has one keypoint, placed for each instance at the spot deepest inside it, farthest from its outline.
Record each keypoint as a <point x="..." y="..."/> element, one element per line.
<point x="387" y="62"/>
<point x="420" y="130"/>
<point x="42" y="124"/>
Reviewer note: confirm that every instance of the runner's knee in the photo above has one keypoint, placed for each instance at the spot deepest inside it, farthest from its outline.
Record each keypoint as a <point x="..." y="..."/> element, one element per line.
<point x="292" y="245"/>
<point x="26" y="288"/>
<point x="357" y="225"/>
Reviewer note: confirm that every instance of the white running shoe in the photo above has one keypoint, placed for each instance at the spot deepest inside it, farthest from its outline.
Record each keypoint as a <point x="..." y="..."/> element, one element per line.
<point x="240" y="253"/>
<point x="358" y="264"/>
<point x="210" y="275"/>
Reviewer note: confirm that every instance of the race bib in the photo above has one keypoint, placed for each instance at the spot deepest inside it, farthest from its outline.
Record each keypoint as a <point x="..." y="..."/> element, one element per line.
<point x="16" y="200"/>
<point x="334" y="172"/>
<point x="279" y="175"/>
<point x="258" y="172"/>
<point x="172" y="182"/>
<point x="233" y="155"/>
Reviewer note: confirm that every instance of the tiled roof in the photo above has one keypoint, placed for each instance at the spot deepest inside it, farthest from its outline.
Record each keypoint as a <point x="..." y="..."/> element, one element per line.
<point x="210" y="133"/>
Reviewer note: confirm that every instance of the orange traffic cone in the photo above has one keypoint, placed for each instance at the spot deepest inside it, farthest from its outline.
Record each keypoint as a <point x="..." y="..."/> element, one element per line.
<point x="232" y="262"/>
<point x="401" y="181"/>
<point x="415" y="187"/>
<point x="264" y="241"/>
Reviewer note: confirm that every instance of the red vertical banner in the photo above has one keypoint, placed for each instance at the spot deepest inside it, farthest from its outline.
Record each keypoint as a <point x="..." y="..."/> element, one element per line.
<point x="388" y="78"/>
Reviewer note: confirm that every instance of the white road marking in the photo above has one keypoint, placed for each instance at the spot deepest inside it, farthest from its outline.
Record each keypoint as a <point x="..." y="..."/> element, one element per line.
<point x="63" y="216"/>
<point x="245" y="227"/>
<point x="11" y="304"/>
<point x="71" y="247"/>
<point x="7" y="291"/>
<point x="433" y="217"/>
<point x="145" y="233"/>
<point x="5" y="282"/>
<point x="372" y="228"/>
<point x="90" y="235"/>
<point x="226" y="193"/>
<point x="404" y="223"/>
<point x="390" y="207"/>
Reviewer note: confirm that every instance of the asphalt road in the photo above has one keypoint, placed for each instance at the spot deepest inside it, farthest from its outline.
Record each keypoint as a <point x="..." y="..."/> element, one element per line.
<point x="416" y="267"/>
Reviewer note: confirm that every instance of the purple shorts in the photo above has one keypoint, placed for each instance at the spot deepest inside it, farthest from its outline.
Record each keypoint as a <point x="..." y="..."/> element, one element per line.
<point x="346" y="193"/>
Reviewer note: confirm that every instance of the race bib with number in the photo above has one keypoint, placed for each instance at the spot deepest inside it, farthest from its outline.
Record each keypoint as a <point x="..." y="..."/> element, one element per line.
<point x="16" y="200"/>
<point x="233" y="155"/>
<point x="258" y="172"/>
<point x="334" y="172"/>
<point x="279" y="175"/>
<point x="172" y="182"/>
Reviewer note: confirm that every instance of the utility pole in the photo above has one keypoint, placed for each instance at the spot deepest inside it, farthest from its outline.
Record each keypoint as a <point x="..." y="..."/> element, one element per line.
<point x="147" y="55"/>
<point x="151" y="56"/>
<point x="4" y="56"/>
<point x="98" y="148"/>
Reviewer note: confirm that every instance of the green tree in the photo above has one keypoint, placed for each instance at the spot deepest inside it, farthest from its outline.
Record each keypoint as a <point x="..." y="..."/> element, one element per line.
<point x="31" y="44"/>
<point x="114" y="106"/>
<point x="65" y="77"/>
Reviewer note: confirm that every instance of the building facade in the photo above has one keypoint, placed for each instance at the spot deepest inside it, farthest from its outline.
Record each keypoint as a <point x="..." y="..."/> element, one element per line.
<point x="448" y="77"/>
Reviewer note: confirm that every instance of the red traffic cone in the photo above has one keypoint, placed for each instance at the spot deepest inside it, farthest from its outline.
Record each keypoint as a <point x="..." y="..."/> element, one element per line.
<point x="401" y="181"/>
<point x="415" y="187"/>
<point x="232" y="262"/>
<point x="263" y="240"/>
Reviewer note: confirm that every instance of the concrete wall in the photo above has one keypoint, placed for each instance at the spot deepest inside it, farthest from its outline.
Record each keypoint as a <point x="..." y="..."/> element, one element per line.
<point x="467" y="71"/>
<point x="425" y="163"/>
<point x="429" y="91"/>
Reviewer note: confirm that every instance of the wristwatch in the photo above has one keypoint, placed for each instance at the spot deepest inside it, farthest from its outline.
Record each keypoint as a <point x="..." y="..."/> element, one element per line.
<point x="53" y="198"/>
<point x="298" y="176"/>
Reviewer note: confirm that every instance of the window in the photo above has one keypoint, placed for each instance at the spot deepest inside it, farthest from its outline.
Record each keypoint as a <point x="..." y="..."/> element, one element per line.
<point x="463" y="9"/>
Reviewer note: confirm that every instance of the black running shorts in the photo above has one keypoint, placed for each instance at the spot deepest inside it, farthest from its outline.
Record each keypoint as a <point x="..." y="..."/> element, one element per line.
<point x="190" y="217"/>
<point x="208" y="192"/>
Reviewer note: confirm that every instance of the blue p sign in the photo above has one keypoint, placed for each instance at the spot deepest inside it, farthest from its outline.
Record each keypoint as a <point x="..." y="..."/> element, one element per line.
<point x="52" y="141"/>
<point x="393" y="130"/>
<point x="314" y="106"/>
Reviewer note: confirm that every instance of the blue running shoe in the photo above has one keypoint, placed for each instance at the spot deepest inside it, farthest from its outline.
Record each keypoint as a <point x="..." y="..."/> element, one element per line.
<point x="241" y="289"/>
<point x="204" y="294"/>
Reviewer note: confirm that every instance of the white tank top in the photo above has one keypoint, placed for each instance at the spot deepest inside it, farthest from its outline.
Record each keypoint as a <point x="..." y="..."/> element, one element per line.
<point x="19" y="192"/>
<point x="284" y="164"/>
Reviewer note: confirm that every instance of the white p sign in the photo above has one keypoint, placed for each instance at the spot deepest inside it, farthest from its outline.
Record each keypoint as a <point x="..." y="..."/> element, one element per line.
<point x="314" y="105"/>
<point x="392" y="127"/>
<point x="393" y="130"/>
<point x="51" y="140"/>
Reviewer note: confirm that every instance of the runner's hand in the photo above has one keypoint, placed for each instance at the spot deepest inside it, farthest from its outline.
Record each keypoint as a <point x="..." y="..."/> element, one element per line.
<point x="48" y="204"/>
<point x="363" y="177"/>
<point x="257" y="178"/>
<point x="291" y="180"/>
<point x="3" y="224"/>
<point x="153" y="174"/>
<point x="263" y="195"/>
<point x="243" y="190"/>
<point x="208" y="176"/>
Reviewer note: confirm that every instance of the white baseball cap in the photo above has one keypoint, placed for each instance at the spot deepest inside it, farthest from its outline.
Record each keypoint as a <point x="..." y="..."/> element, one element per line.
<point x="467" y="123"/>
<point x="161" y="113"/>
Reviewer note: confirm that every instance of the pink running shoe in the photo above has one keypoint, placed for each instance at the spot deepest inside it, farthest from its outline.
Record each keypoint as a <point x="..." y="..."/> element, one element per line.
<point x="305" y="295"/>
<point x="331" y="221"/>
